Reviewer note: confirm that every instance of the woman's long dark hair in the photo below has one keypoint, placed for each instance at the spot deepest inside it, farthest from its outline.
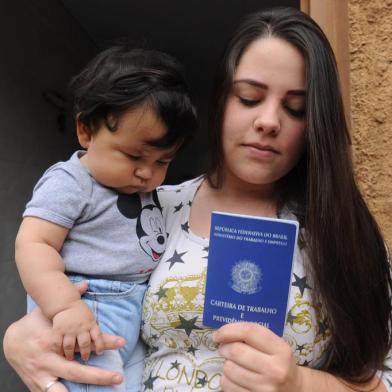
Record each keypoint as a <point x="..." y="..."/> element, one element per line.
<point x="348" y="257"/>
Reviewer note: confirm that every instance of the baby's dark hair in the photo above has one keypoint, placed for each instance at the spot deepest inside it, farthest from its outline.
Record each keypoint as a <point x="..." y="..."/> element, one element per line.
<point x="121" y="78"/>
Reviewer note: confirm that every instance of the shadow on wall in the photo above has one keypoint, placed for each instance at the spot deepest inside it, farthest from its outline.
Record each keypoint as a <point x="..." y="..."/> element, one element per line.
<point x="43" y="47"/>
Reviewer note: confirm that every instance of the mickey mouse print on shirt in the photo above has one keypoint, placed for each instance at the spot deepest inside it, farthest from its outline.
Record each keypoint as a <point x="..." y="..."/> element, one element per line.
<point x="150" y="228"/>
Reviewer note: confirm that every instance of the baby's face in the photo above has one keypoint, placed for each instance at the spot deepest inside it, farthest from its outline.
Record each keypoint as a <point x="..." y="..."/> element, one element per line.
<point x="124" y="160"/>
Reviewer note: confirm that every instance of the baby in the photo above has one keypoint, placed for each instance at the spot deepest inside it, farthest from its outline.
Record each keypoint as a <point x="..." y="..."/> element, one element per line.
<point x="96" y="217"/>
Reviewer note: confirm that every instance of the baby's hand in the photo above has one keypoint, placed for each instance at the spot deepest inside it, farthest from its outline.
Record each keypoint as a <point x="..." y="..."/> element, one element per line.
<point x="77" y="325"/>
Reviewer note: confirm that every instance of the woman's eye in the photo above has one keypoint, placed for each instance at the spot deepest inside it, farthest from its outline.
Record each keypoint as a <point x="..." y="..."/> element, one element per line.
<point x="295" y="106"/>
<point x="297" y="113"/>
<point x="248" y="102"/>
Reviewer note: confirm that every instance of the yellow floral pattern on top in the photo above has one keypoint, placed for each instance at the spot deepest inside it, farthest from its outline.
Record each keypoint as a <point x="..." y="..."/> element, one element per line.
<point x="174" y="313"/>
<point x="181" y="354"/>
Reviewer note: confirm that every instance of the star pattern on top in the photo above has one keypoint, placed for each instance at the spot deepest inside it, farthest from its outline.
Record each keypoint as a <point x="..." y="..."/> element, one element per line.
<point x="187" y="325"/>
<point x="185" y="227"/>
<point x="290" y="319"/>
<point x="201" y="381"/>
<point x="301" y="284"/>
<point x="192" y="350"/>
<point x="175" y="365"/>
<point x="152" y="349"/>
<point x="205" y="249"/>
<point x="161" y="293"/>
<point x="176" y="258"/>
<point x="149" y="383"/>
<point x="178" y="207"/>
<point x="300" y="347"/>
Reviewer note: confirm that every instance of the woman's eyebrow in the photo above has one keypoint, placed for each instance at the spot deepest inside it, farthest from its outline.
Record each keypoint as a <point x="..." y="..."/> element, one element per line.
<point x="255" y="83"/>
<point x="251" y="82"/>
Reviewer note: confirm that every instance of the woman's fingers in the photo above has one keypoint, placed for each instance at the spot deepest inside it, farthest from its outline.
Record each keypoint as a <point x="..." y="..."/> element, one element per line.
<point x="28" y="346"/>
<point x="245" y="356"/>
<point x="111" y="342"/>
<point x="58" y="387"/>
<point x="241" y="376"/>
<point x="227" y="385"/>
<point x="76" y="372"/>
<point x="256" y="336"/>
<point x="256" y="359"/>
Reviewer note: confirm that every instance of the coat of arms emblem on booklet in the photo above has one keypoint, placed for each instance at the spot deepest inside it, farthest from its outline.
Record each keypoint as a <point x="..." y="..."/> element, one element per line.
<point x="249" y="270"/>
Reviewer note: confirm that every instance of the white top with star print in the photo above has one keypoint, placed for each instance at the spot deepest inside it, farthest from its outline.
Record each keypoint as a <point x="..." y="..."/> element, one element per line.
<point x="181" y="354"/>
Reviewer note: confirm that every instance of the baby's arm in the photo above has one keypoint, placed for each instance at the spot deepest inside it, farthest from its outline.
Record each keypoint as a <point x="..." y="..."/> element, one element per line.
<point x="41" y="268"/>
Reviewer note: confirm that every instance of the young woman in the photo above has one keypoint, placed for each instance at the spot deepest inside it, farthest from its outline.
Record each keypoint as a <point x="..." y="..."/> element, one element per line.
<point x="280" y="148"/>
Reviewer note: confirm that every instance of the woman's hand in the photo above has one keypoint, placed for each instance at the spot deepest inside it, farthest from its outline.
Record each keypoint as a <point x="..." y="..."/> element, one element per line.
<point x="256" y="360"/>
<point x="29" y="347"/>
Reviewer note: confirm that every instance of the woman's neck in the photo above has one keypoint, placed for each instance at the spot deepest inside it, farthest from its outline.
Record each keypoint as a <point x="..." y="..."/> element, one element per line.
<point x="253" y="199"/>
<point x="243" y="200"/>
<point x="233" y="198"/>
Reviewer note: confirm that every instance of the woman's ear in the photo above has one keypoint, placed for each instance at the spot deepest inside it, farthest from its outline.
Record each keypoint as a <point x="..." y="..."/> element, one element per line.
<point x="83" y="132"/>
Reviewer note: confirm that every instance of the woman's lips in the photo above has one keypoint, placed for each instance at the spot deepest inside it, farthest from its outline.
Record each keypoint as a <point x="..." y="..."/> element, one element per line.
<point x="261" y="150"/>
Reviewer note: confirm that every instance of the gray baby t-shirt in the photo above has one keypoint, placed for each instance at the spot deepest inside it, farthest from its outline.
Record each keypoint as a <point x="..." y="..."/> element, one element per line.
<point x="111" y="235"/>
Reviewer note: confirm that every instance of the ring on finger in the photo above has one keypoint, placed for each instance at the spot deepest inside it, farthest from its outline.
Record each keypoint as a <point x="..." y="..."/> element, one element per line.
<point x="50" y="384"/>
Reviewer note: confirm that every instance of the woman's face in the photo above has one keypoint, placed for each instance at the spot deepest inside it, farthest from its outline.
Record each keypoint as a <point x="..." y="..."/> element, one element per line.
<point x="263" y="126"/>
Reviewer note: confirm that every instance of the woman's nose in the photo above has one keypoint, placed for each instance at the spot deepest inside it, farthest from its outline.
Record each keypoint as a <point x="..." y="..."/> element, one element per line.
<point x="267" y="119"/>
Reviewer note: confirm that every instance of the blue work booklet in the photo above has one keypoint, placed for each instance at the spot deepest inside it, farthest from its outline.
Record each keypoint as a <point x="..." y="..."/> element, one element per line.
<point x="249" y="270"/>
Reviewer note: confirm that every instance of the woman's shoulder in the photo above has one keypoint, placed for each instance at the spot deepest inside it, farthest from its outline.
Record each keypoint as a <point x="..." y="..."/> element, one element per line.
<point x="193" y="182"/>
<point x="179" y="190"/>
<point x="173" y="197"/>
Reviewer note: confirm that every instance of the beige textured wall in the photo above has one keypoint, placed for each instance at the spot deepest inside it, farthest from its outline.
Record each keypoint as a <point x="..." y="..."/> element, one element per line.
<point x="370" y="25"/>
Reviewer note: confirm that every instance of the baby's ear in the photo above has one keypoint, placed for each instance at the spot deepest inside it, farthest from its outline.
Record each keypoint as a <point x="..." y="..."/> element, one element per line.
<point x="83" y="132"/>
<point x="129" y="205"/>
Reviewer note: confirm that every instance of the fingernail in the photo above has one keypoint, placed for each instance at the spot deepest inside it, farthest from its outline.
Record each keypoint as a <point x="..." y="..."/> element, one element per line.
<point x="117" y="379"/>
<point x="214" y="336"/>
<point x="120" y="342"/>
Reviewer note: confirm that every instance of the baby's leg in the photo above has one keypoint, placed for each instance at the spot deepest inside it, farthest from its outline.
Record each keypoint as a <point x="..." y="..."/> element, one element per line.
<point x="135" y="350"/>
<point x="117" y="307"/>
<point x="110" y="359"/>
<point x="134" y="369"/>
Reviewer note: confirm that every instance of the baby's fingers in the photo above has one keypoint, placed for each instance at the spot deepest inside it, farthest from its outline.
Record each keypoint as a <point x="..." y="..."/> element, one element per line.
<point x="57" y="342"/>
<point x="84" y="343"/>
<point x="69" y="342"/>
<point x="96" y="336"/>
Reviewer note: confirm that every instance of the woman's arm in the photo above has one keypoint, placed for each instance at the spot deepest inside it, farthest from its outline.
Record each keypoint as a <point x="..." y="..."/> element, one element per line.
<point x="29" y="348"/>
<point x="259" y="360"/>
